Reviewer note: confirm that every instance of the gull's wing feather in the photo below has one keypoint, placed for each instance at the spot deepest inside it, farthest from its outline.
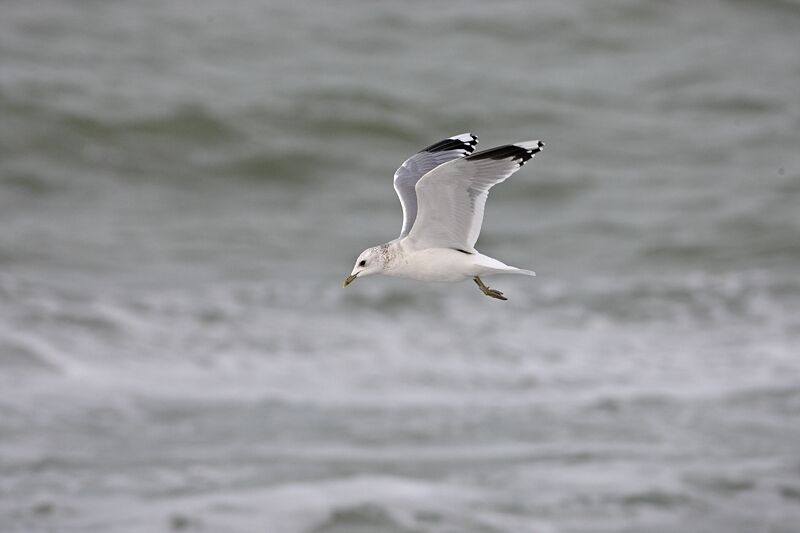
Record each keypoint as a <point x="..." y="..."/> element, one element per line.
<point x="419" y="164"/>
<point x="452" y="196"/>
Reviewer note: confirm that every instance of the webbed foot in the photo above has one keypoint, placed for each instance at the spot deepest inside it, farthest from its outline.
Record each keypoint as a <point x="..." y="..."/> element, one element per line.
<point x="492" y="293"/>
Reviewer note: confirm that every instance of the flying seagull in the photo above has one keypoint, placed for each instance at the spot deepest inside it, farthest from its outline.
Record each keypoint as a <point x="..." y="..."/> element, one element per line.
<point x="443" y="191"/>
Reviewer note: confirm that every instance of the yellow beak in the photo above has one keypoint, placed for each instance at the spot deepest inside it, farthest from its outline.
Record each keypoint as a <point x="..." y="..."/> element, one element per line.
<point x="348" y="280"/>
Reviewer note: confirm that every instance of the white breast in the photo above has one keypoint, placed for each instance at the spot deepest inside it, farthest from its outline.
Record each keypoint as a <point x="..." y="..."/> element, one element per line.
<point x="434" y="264"/>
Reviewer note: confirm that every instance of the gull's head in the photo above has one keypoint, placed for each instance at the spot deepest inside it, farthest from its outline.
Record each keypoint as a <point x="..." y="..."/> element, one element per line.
<point x="370" y="261"/>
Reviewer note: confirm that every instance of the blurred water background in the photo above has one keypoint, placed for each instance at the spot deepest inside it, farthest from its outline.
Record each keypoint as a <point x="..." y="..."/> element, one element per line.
<point x="184" y="184"/>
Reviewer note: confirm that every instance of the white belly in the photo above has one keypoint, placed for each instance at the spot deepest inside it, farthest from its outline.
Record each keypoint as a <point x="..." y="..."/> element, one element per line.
<point x="443" y="264"/>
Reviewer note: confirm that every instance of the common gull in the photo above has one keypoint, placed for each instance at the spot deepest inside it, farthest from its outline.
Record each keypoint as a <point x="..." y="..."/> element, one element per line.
<point x="443" y="190"/>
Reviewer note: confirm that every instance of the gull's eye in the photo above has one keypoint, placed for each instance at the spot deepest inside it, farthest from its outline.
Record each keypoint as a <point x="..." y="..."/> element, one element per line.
<point x="362" y="262"/>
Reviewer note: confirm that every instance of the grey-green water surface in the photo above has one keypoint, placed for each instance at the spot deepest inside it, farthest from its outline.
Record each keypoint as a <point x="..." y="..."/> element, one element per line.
<point x="183" y="185"/>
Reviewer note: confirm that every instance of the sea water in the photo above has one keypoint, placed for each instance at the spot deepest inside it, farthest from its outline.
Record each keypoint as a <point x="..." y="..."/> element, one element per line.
<point x="184" y="184"/>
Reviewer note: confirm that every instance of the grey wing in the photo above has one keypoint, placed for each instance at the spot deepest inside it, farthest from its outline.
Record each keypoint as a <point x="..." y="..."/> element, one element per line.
<point x="452" y="196"/>
<point x="419" y="164"/>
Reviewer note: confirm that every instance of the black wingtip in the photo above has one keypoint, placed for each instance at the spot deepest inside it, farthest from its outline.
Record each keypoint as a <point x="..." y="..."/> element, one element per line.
<point x="465" y="142"/>
<point x="521" y="152"/>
